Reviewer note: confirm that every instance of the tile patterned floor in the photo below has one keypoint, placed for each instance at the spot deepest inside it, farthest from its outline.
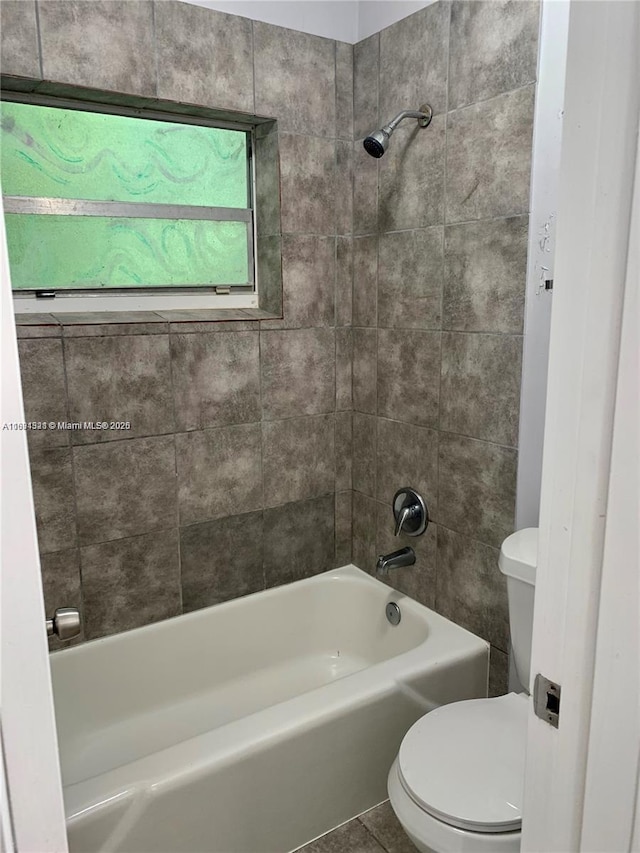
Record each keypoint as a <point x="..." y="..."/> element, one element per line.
<point x="375" y="831"/>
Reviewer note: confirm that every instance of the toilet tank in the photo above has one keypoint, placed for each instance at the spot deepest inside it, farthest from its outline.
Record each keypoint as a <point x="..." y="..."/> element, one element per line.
<point x="518" y="559"/>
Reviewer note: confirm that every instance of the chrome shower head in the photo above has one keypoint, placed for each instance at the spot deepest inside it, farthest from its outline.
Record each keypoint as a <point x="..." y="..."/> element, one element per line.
<point x="377" y="143"/>
<point x="378" y="140"/>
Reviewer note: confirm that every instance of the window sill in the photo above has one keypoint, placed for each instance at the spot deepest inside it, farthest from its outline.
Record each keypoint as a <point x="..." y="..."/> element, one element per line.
<point x="138" y="322"/>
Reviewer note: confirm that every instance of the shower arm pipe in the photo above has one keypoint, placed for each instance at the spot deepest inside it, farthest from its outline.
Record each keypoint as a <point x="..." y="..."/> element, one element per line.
<point x="423" y="117"/>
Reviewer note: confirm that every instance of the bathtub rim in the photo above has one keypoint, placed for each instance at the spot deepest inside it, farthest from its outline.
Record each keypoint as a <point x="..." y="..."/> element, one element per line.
<point x="132" y="779"/>
<point x="347" y="572"/>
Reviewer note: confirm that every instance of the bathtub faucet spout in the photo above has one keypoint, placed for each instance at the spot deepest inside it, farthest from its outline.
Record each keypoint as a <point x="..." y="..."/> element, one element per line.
<point x="395" y="560"/>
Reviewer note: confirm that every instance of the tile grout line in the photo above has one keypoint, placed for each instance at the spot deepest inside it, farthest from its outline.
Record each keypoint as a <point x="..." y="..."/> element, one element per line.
<point x="377" y="341"/>
<point x="352" y="190"/>
<point x="39" y="39"/>
<point x="445" y="225"/>
<point x="253" y="65"/>
<point x="154" y="36"/>
<point x="176" y="488"/>
<point x="335" y="418"/>
<point x="72" y="455"/>
<point x="494" y="97"/>
<point x="442" y="287"/>
<point x="445" y="331"/>
<point x="262" y="422"/>
<point x="207" y="429"/>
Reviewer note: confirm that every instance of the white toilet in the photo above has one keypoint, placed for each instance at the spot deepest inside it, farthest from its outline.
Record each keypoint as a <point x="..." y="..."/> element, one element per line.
<point x="457" y="783"/>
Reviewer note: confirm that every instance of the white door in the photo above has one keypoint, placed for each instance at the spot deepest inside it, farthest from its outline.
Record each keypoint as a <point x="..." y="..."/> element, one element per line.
<point x="616" y="683"/>
<point x="32" y="812"/>
<point x="600" y="132"/>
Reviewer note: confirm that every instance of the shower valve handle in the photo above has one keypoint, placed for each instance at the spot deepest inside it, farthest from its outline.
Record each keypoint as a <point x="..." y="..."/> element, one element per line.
<point x="410" y="512"/>
<point x="404" y="515"/>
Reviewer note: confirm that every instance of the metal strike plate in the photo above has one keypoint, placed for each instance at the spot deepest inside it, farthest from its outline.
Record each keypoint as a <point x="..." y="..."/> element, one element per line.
<point x="546" y="700"/>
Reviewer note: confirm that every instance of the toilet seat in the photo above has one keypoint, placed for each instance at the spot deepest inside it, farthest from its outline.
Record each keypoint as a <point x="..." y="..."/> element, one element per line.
<point x="463" y="763"/>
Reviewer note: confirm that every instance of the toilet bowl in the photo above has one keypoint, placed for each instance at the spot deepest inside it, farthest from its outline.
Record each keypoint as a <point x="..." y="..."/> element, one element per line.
<point x="457" y="783"/>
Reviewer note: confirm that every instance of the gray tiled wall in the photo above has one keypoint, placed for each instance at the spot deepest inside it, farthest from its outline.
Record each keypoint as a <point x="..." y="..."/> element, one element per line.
<point x="438" y="297"/>
<point x="236" y="474"/>
<point x="396" y="362"/>
<point x="227" y="483"/>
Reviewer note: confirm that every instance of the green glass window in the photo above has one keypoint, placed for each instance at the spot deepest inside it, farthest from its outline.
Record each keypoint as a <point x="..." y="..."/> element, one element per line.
<point x="104" y="201"/>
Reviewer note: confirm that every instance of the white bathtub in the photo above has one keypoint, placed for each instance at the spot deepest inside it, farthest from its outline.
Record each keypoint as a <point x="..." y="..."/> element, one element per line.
<point x="255" y="725"/>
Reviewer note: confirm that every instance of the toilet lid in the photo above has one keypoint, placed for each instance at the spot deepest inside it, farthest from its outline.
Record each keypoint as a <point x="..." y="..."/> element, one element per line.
<point x="464" y="763"/>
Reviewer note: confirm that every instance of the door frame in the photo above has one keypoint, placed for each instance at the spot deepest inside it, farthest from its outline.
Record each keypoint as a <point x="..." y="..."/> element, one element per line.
<point x="616" y="683"/>
<point x="600" y="132"/>
<point x="32" y="815"/>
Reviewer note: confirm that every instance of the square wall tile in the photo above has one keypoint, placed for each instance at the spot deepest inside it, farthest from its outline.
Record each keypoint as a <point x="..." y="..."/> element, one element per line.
<point x="220" y="560"/>
<point x="298" y="457"/>
<point x="125" y="488"/>
<point x="472" y="591"/>
<point x="298" y="372"/>
<point x="19" y="54"/>
<point x="295" y="79"/>
<point x="365" y="280"/>
<point x="365" y="85"/>
<point x="43" y="389"/>
<point x="485" y="275"/>
<point x="410" y="274"/>
<point x="307" y="168"/>
<point x="411" y="183"/>
<point x="364" y="454"/>
<point x="299" y="540"/>
<point x="476" y="488"/>
<point x="216" y="379"/>
<point x="204" y="57"/>
<point x="364" y="370"/>
<point x="73" y="36"/>
<point x="219" y="472"/>
<point x="344" y="368"/>
<point x="480" y="388"/>
<point x="343" y="528"/>
<point x="344" y="281"/>
<point x="481" y="186"/>
<point x="309" y="281"/>
<point x="130" y="582"/>
<point x="413" y="62"/>
<point x="344" y="450"/>
<point x="344" y="90"/>
<point x="52" y="482"/>
<point x="417" y="581"/>
<point x="61" y="588"/>
<point x="409" y="376"/>
<point x="493" y="48"/>
<point x="407" y="456"/>
<point x="364" y="532"/>
<point x="123" y="379"/>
